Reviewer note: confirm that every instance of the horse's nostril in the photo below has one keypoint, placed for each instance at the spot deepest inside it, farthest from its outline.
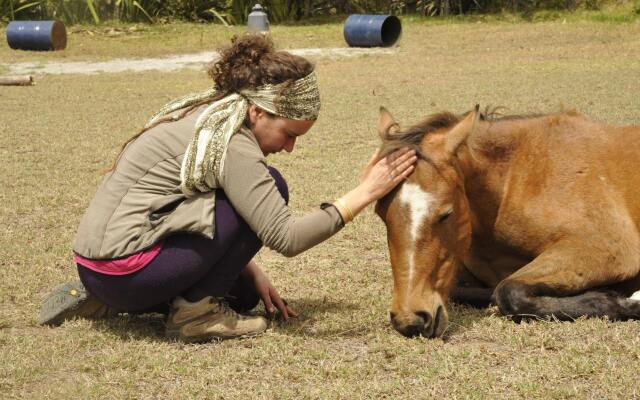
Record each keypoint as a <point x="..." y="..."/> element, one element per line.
<point x="392" y="315"/>
<point x="425" y="316"/>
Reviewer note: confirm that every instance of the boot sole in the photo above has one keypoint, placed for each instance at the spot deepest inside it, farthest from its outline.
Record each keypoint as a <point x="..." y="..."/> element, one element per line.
<point x="174" y="334"/>
<point x="62" y="303"/>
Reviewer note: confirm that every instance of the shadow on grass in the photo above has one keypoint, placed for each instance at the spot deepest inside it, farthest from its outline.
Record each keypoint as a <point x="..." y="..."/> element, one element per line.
<point x="312" y="313"/>
<point x="148" y="327"/>
<point x="461" y="317"/>
<point x="311" y="323"/>
<point x="151" y="326"/>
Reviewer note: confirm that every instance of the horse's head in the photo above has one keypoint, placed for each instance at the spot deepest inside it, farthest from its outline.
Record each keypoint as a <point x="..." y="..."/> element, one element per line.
<point x="428" y="221"/>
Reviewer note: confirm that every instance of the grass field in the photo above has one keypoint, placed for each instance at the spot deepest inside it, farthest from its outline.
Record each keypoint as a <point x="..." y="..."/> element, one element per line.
<point x="56" y="137"/>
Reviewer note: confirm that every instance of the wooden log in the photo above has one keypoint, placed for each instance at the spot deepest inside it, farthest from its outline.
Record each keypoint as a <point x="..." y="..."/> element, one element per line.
<point x="16" y="80"/>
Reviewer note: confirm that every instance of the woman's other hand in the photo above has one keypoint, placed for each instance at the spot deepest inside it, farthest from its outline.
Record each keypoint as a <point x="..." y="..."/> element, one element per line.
<point x="267" y="292"/>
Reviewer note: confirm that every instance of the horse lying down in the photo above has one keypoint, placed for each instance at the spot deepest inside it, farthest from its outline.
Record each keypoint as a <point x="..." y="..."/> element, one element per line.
<point x="539" y="214"/>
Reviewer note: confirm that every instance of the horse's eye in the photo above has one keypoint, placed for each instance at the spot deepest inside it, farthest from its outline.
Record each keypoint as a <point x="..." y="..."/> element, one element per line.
<point x="444" y="216"/>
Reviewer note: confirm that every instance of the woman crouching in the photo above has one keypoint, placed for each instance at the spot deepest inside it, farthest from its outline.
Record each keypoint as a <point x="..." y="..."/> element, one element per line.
<point x="190" y="200"/>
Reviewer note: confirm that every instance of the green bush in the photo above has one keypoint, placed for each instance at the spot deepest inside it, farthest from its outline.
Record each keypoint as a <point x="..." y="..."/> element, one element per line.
<point x="77" y="11"/>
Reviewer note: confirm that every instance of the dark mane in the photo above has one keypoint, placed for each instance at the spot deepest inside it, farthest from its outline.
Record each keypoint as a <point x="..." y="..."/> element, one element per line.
<point x="413" y="136"/>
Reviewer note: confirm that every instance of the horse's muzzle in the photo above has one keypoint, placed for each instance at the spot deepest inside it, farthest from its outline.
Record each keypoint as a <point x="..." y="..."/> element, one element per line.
<point x="422" y="323"/>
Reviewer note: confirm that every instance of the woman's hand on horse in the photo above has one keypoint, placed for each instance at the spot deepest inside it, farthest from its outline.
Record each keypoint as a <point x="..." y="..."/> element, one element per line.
<point x="267" y="292"/>
<point x="381" y="175"/>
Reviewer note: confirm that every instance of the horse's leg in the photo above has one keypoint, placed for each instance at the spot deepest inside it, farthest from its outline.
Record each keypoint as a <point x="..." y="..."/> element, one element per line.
<point x="470" y="291"/>
<point x="562" y="282"/>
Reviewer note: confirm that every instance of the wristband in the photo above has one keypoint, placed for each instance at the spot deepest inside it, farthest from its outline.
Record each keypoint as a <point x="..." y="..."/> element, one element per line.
<point x="345" y="207"/>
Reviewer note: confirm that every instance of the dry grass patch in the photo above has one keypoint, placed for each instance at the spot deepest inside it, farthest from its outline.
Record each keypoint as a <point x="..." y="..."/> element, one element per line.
<point x="57" y="136"/>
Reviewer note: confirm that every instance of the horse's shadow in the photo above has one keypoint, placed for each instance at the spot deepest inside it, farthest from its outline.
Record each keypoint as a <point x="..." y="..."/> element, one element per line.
<point x="462" y="316"/>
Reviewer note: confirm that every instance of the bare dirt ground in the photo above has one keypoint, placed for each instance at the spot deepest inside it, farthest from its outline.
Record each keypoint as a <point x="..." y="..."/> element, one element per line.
<point x="166" y="64"/>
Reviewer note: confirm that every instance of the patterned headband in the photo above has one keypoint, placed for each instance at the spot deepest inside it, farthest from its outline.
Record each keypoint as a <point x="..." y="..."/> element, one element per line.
<point x="300" y="100"/>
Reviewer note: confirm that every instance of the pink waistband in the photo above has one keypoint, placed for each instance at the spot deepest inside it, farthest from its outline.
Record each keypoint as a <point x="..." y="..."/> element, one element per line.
<point x="121" y="266"/>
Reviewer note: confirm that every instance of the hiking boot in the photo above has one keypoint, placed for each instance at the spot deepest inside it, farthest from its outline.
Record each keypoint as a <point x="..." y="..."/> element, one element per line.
<point x="71" y="300"/>
<point x="208" y="319"/>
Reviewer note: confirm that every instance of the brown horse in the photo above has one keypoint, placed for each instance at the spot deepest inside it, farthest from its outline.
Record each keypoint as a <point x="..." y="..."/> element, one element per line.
<point x="539" y="214"/>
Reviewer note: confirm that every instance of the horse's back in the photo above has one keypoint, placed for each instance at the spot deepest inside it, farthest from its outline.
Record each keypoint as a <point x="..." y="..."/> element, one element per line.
<point x="572" y="138"/>
<point x="571" y="176"/>
<point x="589" y="158"/>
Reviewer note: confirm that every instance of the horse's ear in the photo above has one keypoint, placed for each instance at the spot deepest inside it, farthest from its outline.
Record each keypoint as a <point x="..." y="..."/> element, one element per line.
<point x="461" y="131"/>
<point x="386" y="124"/>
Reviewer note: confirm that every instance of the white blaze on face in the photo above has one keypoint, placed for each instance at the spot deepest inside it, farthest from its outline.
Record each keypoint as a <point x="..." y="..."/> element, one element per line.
<point x="420" y="205"/>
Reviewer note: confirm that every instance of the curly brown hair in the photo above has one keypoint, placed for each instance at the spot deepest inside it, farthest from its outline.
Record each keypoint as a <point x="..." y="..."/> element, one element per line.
<point x="250" y="61"/>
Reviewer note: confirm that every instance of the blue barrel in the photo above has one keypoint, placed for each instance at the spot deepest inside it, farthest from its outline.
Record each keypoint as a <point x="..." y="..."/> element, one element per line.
<point x="36" y="35"/>
<point x="362" y="30"/>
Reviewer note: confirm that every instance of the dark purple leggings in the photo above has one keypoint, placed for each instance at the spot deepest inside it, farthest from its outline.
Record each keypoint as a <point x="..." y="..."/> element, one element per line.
<point x="189" y="265"/>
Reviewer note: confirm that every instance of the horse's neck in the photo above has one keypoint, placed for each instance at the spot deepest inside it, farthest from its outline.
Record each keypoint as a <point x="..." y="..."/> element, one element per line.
<point x="485" y="161"/>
